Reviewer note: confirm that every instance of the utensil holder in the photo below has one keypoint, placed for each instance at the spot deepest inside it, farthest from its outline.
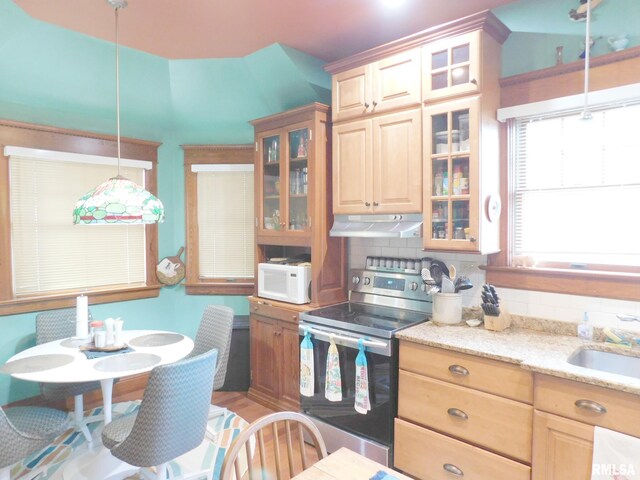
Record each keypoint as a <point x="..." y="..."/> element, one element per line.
<point x="447" y="308"/>
<point x="498" y="323"/>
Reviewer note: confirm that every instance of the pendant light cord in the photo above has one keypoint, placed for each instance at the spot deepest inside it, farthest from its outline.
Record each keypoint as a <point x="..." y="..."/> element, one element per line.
<point x="117" y="8"/>
<point x="586" y="115"/>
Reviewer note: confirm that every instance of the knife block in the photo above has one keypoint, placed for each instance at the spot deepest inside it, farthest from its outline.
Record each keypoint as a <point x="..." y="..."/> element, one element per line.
<point x="498" y="323"/>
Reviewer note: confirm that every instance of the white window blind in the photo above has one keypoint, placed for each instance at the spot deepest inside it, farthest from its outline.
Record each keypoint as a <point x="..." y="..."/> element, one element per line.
<point x="577" y="188"/>
<point x="225" y="220"/>
<point x="49" y="253"/>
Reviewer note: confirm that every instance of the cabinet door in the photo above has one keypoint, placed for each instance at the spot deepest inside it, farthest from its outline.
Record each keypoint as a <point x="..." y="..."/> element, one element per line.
<point x="451" y="66"/>
<point x="396" y="81"/>
<point x="290" y="363"/>
<point x="271" y="184"/>
<point x="562" y="448"/>
<point x="397" y="163"/>
<point x="351" y="93"/>
<point x="352" y="192"/>
<point x="452" y="176"/>
<point x="297" y="205"/>
<point x="264" y="355"/>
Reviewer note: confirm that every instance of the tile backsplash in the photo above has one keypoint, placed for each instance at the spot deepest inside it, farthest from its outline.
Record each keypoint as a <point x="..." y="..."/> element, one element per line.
<point x="555" y="306"/>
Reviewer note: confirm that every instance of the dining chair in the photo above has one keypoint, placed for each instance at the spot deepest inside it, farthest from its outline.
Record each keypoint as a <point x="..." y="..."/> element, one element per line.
<point x="299" y="423"/>
<point x="56" y="325"/>
<point x="215" y="330"/>
<point x="172" y="417"/>
<point x="25" y="430"/>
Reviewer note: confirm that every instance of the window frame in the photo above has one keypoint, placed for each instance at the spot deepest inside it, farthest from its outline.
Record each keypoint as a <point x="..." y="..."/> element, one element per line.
<point x="617" y="282"/>
<point x="209" y="155"/>
<point x="53" y="138"/>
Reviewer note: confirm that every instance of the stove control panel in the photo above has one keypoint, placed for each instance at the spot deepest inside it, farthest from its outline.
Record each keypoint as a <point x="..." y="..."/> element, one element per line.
<point x="402" y="285"/>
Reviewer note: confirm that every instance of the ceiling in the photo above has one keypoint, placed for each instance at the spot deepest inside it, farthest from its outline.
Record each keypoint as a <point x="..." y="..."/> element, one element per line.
<point x="327" y="29"/>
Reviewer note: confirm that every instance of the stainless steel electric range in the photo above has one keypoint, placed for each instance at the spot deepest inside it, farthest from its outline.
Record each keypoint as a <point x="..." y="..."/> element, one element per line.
<point x="382" y="301"/>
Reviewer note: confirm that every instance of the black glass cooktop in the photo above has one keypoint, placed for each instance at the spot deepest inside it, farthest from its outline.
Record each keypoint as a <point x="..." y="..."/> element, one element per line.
<point x="365" y="318"/>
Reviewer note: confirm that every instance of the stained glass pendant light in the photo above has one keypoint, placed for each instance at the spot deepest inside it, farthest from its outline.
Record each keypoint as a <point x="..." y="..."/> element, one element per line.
<point x="118" y="200"/>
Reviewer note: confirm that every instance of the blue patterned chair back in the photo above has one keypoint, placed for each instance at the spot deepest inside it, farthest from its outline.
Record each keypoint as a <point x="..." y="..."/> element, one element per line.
<point x="173" y="414"/>
<point x="216" y="327"/>
<point x="56" y="324"/>
<point x="23" y="430"/>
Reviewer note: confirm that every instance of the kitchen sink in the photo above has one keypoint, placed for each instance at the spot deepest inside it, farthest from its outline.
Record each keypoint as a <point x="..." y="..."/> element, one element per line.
<point x="604" y="361"/>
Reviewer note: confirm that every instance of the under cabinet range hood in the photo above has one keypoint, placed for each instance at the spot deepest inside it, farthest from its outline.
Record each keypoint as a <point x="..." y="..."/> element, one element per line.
<point x="377" y="226"/>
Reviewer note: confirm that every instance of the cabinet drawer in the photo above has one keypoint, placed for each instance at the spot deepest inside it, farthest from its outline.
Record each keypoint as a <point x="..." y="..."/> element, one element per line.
<point x="499" y="378"/>
<point x="497" y="423"/>
<point x="588" y="403"/>
<point x="430" y="455"/>
<point x="268" y="310"/>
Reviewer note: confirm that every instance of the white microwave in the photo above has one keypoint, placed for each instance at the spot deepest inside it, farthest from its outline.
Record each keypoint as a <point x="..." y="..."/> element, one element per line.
<point x="286" y="283"/>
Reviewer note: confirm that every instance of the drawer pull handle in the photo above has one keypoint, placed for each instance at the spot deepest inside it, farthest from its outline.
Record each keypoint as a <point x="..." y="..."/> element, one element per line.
<point x="453" y="469"/>
<point x="591" y="406"/>
<point x="459" y="370"/>
<point x="456" y="412"/>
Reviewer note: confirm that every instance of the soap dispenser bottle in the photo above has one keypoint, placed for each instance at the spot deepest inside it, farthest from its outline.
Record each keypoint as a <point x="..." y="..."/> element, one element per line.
<point x="585" y="329"/>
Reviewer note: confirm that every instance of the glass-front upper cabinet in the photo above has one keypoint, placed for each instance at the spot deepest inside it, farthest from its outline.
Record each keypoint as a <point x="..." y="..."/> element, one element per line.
<point x="271" y="180"/>
<point x="451" y="166"/>
<point x="451" y="66"/>
<point x="298" y="142"/>
<point x="283" y="173"/>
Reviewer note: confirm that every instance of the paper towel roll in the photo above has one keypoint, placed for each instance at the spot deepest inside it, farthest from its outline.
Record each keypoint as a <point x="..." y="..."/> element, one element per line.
<point x="82" y="316"/>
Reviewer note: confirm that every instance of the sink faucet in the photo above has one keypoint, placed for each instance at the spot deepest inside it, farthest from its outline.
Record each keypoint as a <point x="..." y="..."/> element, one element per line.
<point x="628" y="318"/>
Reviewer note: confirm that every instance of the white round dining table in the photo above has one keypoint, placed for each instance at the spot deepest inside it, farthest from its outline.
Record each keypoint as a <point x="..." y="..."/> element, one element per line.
<point x="62" y="361"/>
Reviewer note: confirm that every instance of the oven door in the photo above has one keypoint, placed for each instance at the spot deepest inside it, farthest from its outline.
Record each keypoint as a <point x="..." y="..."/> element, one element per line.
<point x="382" y="363"/>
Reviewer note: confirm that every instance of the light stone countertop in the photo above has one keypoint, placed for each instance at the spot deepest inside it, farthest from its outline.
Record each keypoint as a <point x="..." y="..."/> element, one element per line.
<point x="535" y="350"/>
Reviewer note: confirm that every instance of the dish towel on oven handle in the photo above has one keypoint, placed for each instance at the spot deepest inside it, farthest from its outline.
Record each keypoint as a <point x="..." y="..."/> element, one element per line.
<point x="333" y="382"/>
<point x="306" y="365"/>
<point x="362" y="404"/>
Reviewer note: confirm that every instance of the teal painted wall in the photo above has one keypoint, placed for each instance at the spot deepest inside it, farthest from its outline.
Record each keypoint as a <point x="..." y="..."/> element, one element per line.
<point x="52" y="76"/>
<point x="539" y="26"/>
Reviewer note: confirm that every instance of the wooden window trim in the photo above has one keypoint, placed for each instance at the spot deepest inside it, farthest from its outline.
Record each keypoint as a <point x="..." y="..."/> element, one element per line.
<point x="622" y="283"/>
<point x="210" y="155"/>
<point x="52" y="138"/>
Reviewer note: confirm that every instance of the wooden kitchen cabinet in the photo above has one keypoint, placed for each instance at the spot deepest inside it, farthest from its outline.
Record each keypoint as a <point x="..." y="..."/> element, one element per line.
<point x="461" y="201"/>
<point x="460" y="415"/>
<point x="566" y="414"/>
<point x="387" y="84"/>
<point x="451" y="66"/>
<point x="287" y="158"/>
<point x="377" y="164"/>
<point x="293" y="211"/>
<point x="562" y="448"/>
<point x="275" y="354"/>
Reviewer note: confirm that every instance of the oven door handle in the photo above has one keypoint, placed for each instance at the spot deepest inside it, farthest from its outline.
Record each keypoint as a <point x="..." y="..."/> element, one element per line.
<point x="376" y="347"/>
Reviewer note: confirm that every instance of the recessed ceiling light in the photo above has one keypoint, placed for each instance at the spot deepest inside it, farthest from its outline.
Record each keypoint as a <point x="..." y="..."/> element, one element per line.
<point x="392" y="3"/>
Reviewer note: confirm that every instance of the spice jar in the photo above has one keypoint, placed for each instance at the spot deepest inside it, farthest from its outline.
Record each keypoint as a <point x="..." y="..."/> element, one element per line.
<point x="95" y="326"/>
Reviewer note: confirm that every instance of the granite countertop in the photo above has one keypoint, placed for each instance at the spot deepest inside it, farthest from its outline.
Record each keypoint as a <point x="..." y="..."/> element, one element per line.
<point x="543" y="348"/>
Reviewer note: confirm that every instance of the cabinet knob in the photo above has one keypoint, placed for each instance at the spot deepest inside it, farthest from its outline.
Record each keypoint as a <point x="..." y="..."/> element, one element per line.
<point x="453" y="469"/>
<point x="456" y="412"/>
<point x="590" y="406"/>
<point x="376" y="204"/>
<point x="473" y="239"/>
<point x="367" y="204"/>
<point x="474" y="81"/>
<point x="459" y="370"/>
<point x="366" y="105"/>
<point x="375" y="104"/>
